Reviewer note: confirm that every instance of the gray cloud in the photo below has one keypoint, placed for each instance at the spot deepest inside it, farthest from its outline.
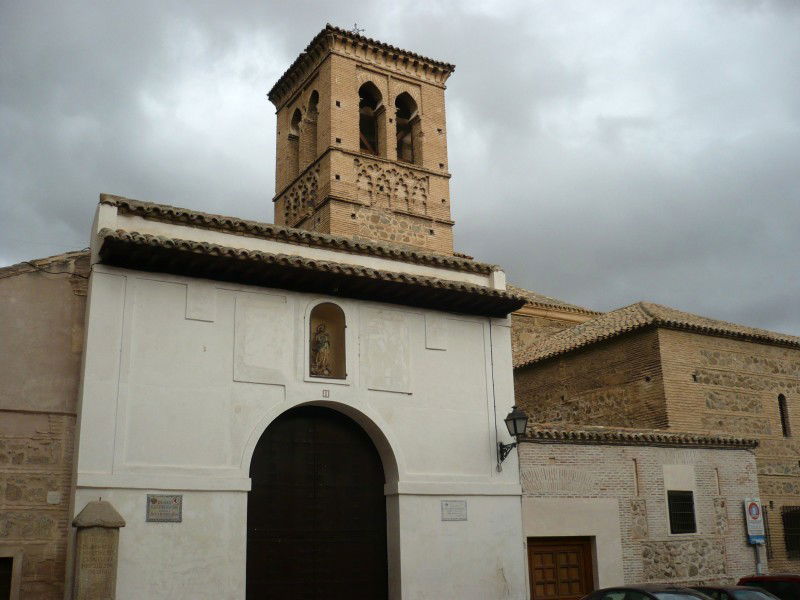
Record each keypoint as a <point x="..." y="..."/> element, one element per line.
<point x="602" y="155"/>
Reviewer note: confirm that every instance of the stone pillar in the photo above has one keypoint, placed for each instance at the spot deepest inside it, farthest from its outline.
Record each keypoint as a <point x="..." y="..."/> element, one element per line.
<point x="96" y="546"/>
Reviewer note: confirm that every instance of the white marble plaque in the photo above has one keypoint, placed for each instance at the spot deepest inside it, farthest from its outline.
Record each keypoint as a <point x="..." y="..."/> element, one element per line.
<point x="454" y="510"/>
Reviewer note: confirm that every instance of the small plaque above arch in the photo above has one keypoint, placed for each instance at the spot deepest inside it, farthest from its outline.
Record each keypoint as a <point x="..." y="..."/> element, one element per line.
<point x="327" y="357"/>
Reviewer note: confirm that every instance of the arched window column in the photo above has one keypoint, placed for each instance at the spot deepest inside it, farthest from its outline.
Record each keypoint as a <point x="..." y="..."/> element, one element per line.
<point x="408" y="130"/>
<point x="308" y="139"/>
<point x="371" y="120"/>
<point x="293" y="166"/>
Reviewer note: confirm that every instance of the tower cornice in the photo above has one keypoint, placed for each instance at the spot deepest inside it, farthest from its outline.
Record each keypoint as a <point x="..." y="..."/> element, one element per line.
<point x="340" y="41"/>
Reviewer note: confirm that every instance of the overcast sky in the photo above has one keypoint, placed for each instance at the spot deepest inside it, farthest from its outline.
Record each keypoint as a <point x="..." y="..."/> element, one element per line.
<point x="603" y="152"/>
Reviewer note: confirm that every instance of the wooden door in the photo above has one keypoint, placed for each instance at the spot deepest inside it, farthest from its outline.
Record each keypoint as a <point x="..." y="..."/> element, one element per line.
<point x="316" y="514"/>
<point x="560" y="568"/>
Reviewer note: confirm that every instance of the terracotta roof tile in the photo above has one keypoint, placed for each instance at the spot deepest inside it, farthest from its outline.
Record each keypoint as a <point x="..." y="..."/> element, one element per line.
<point x="639" y="316"/>
<point x="119" y="247"/>
<point x="631" y="437"/>
<point x="547" y="302"/>
<point x="291" y="235"/>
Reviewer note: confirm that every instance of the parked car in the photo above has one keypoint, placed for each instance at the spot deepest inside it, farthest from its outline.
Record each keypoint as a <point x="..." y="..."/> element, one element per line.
<point x="647" y="591"/>
<point x="785" y="587"/>
<point x="735" y="592"/>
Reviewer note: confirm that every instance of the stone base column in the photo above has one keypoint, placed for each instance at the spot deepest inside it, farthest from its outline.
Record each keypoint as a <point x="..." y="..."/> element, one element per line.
<point x="96" y="546"/>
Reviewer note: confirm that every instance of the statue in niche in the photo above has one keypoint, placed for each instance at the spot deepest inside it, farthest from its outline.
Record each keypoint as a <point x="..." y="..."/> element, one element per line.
<point x="321" y="352"/>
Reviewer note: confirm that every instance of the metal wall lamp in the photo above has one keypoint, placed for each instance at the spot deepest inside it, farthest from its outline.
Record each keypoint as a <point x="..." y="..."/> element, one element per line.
<point x="516" y="421"/>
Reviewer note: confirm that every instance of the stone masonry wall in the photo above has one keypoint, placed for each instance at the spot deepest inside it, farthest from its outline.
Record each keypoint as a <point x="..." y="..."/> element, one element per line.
<point x="41" y="341"/>
<point x="716" y="553"/>
<point x="730" y="386"/>
<point x="613" y="384"/>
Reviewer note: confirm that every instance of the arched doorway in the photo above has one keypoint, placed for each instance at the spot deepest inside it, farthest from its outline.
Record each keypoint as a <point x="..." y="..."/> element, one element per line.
<point x="316" y="514"/>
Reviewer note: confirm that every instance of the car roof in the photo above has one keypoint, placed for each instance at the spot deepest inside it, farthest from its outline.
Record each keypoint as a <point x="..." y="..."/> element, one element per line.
<point x="771" y="577"/>
<point x="652" y="587"/>
<point x="727" y="588"/>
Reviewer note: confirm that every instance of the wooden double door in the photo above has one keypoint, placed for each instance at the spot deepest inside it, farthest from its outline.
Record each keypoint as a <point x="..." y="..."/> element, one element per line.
<point x="560" y="568"/>
<point x="316" y="514"/>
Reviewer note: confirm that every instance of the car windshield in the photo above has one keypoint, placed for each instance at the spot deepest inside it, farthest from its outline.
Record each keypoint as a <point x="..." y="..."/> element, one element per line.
<point x="675" y="596"/>
<point x="751" y="595"/>
<point x="785" y="590"/>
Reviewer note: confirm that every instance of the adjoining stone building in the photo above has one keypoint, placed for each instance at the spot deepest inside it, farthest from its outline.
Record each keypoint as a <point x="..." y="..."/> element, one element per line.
<point x="599" y="503"/>
<point x="42" y="306"/>
<point x="650" y="366"/>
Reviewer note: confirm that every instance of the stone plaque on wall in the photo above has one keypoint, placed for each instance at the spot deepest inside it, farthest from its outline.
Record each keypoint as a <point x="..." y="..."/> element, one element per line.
<point x="454" y="510"/>
<point x="164" y="508"/>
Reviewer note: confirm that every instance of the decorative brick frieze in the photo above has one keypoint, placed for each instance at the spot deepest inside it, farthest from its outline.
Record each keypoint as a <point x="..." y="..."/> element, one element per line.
<point x="301" y="197"/>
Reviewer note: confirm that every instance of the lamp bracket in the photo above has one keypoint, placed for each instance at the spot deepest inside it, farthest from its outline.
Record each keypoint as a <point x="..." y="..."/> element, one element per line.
<point x="503" y="450"/>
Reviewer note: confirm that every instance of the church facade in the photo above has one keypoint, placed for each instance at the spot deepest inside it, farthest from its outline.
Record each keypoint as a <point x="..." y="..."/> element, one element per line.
<point x="319" y="405"/>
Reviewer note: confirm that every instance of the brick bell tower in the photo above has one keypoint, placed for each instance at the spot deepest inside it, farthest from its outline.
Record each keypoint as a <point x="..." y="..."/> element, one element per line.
<point x="362" y="143"/>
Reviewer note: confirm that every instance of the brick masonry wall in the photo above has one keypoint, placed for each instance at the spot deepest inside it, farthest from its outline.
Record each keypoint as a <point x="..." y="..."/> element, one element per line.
<point x="717" y="553"/>
<point x="730" y="386"/>
<point x="41" y="341"/>
<point x="618" y="383"/>
<point x="374" y="198"/>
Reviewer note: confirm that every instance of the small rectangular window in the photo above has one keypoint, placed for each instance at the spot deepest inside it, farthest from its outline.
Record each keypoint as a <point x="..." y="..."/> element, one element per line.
<point x="791" y="530"/>
<point x="681" y="512"/>
<point x="785" y="427"/>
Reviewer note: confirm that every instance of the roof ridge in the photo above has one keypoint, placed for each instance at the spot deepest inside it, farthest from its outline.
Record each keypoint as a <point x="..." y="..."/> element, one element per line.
<point x="643" y="306"/>
<point x="641" y="315"/>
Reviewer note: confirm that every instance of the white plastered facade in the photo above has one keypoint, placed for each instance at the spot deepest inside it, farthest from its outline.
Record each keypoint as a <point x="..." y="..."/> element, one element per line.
<point x="182" y="376"/>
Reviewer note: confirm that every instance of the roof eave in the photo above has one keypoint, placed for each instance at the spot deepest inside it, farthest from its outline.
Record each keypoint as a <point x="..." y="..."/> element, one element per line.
<point x="210" y="261"/>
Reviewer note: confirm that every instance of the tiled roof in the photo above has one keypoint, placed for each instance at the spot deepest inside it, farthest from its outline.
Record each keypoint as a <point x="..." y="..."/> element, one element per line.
<point x="640" y="316"/>
<point x="202" y="259"/>
<point x="631" y="437"/>
<point x="548" y="302"/>
<point x="43" y="264"/>
<point x="291" y="235"/>
<point x="305" y="57"/>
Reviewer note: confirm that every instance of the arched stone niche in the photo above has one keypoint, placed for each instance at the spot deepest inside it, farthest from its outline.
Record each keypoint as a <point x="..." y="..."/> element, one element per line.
<point x="327" y="357"/>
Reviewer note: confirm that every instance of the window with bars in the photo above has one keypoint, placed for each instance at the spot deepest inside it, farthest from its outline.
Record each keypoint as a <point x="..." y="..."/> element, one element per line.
<point x="791" y="530"/>
<point x="681" y="512"/>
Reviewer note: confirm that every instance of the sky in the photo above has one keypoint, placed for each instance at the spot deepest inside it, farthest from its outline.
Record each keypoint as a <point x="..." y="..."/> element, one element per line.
<point x="602" y="152"/>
